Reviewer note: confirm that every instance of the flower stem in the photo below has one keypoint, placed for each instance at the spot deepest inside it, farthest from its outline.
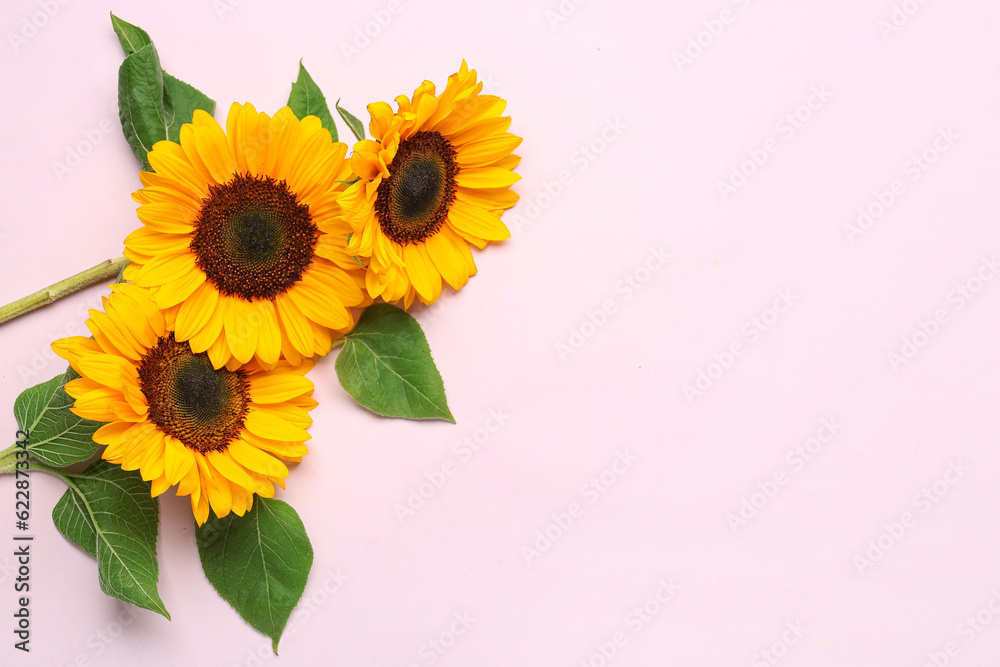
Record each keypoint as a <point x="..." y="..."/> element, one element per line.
<point x="109" y="269"/>
<point x="37" y="465"/>
<point x="8" y="458"/>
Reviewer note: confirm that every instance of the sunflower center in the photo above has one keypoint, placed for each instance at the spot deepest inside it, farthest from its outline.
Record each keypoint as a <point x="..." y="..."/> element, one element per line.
<point x="202" y="407"/>
<point x="413" y="202"/>
<point x="253" y="239"/>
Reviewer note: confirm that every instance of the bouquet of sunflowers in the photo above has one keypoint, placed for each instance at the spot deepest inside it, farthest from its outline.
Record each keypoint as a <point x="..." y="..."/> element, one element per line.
<point x="260" y="244"/>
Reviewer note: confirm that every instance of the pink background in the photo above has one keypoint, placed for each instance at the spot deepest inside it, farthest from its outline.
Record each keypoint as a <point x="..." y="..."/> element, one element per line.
<point x="840" y="556"/>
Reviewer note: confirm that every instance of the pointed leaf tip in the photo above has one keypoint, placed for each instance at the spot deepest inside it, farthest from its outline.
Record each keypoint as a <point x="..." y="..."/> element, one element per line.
<point x="386" y="365"/>
<point x="306" y="99"/>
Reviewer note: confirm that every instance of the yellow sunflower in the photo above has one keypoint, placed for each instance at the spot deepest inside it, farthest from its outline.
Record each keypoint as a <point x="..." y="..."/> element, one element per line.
<point x="435" y="179"/>
<point x="244" y="239"/>
<point x="218" y="434"/>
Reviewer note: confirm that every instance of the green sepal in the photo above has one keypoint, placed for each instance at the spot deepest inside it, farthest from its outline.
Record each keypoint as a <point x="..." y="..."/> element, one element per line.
<point x="357" y="127"/>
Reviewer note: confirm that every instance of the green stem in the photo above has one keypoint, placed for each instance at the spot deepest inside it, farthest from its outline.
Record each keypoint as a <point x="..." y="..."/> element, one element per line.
<point x="8" y="459"/>
<point x="37" y="465"/>
<point x="109" y="269"/>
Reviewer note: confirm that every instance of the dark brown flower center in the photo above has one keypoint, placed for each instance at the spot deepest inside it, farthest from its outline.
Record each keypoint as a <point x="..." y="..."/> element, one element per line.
<point x="202" y="407"/>
<point x="253" y="239"/>
<point x="413" y="202"/>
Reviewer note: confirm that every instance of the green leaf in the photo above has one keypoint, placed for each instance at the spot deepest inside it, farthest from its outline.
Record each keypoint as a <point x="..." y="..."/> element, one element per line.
<point x="306" y="99"/>
<point x="181" y="99"/>
<point x="386" y="366"/>
<point x="152" y="104"/>
<point x="56" y="436"/>
<point x="132" y="37"/>
<point x="258" y="562"/>
<point x="109" y="513"/>
<point x="357" y="127"/>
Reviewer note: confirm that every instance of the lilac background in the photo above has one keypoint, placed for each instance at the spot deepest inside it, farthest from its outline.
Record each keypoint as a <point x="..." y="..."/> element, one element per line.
<point x="521" y="340"/>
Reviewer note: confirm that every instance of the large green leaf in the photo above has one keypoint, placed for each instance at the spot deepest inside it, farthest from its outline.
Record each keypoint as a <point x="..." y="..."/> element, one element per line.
<point x="108" y="512"/>
<point x="386" y="365"/>
<point x="259" y="562"/>
<point x="152" y="104"/>
<point x="306" y="99"/>
<point x="56" y="436"/>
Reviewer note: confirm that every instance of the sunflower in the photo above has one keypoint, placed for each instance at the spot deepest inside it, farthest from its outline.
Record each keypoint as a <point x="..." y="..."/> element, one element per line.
<point x="435" y="179"/>
<point x="218" y="434"/>
<point x="244" y="240"/>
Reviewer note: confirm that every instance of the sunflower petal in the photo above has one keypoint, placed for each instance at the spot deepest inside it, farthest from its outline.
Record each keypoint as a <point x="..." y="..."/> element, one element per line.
<point x="295" y="325"/>
<point x="230" y="469"/>
<point x="256" y="460"/>
<point x="476" y="222"/>
<point x="278" y="387"/>
<point x="284" y="449"/>
<point x="268" y="334"/>
<point x="451" y="257"/>
<point x="106" y="369"/>
<point x="241" y="329"/>
<point x="177" y="460"/>
<point x="177" y="291"/>
<point x="424" y="276"/>
<point x="196" y="311"/>
<point x="486" y="177"/>
<point x="215" y="486"/>
<point x="164" y="269"/>
<point x="199" y="507"/>
<point x="167" y="217"/>
<point x="485" y="151"/>
<point x="264" y="423"/>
